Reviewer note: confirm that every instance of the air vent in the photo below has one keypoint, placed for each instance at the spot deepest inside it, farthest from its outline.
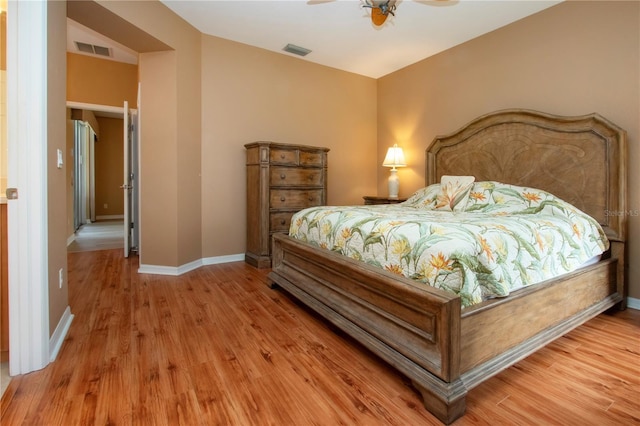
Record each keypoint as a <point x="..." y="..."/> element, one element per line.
<point x="93" y="49"/>
<point x="296" y="50"/>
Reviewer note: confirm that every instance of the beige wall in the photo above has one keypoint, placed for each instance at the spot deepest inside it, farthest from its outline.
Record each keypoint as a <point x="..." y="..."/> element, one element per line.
<point x="170" y="150"/>
<point x="109" y="167"/>
<point x="158" y="150"/>
<point x="251" y="94"/>
<point x="101" y="81"/>
<point x="572" y="59"/>
<point x="56" y="178"/>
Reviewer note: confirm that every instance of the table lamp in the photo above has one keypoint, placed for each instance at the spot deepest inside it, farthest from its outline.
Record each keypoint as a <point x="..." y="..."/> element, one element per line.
<point x="394" y="158"/>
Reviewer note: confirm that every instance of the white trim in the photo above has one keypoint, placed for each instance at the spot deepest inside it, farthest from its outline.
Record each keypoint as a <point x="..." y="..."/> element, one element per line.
<point x="70" y="239"/>
<point x="110" y="217"/>
<point x="27" y="216"/>
<point x="223" y="259"/>
<point x="92" y="173"/>
<point x="126" y="178"/>
<point x="158" y="270"/>
<point x="97" y="107"/>
<point x="170" y="270"/>
<point x="57" y="338"/>
<point x="633" y="303"/>
<point x="137" y="232"/>
<point x="176" y="271"/>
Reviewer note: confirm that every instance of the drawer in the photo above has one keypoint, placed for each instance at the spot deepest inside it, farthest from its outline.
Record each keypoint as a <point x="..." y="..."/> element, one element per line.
<point x="295" y="198"/>
<point x="280" y="221"/>
<point x="283" y="156"/>
<point x="288" y="176"/>
<point x="311" y="158"/>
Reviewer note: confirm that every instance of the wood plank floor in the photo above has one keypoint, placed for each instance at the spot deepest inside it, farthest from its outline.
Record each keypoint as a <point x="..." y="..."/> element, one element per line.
<point x="216" y="346"/>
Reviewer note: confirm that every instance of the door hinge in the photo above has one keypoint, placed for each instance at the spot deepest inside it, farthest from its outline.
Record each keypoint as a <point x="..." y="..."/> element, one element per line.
<point x="12" y="193"/>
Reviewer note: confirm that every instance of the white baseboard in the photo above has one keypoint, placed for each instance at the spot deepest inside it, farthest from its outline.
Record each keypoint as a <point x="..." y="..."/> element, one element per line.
<point x="633" y="303"/>
<point x="169" y="270"/>
<point x="57" y="338"/>
<point x="223" y="259"/>
<point x="110" y="217"/>
<point x="158" y="270"/>
<point x="71" y="238"/>
<point x="179" y="270"/>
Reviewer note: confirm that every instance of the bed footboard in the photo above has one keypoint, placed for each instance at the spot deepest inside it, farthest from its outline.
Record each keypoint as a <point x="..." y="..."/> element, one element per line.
<point x="414" y="328"/>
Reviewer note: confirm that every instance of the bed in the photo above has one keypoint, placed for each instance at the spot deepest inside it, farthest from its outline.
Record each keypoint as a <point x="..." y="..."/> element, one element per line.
<point x="423" y="331"/>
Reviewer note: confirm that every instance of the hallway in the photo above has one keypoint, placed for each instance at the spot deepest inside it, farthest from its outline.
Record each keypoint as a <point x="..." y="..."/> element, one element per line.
<point x="100" y="235"/>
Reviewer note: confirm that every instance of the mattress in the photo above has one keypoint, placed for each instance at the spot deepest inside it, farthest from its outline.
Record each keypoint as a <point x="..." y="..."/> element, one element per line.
<point x="486" y="243"/>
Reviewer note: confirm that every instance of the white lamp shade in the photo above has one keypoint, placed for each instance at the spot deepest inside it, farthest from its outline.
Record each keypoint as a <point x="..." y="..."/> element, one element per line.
<point x="394" y="158"/>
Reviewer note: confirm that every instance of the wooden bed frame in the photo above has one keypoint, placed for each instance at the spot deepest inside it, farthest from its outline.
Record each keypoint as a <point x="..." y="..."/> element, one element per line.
<point x="422" y="331"/>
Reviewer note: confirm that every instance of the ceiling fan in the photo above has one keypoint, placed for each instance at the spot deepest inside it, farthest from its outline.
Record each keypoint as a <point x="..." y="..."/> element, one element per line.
<point x="380" y="10"/>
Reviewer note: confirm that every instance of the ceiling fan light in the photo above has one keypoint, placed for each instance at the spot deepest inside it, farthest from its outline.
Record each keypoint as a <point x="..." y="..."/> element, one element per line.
<point x="377" y="17"/>
<point x="380" y="10"/>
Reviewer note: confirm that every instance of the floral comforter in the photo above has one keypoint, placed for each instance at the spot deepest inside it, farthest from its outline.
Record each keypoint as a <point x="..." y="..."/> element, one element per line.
<point x="500" y="238"/>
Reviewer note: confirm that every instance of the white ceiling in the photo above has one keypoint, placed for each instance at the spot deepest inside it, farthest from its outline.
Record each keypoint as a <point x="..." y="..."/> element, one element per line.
<point x="340" y="33"/>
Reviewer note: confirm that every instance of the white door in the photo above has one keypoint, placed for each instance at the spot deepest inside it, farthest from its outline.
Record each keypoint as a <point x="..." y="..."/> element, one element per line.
<point x="131" y="185"/>
<point x="135" y="175"/>
<point x="126" y="186"/>
<point x="134" y="167"/>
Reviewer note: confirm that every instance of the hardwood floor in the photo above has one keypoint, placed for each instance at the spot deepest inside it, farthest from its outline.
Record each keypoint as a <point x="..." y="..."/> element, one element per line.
<point x="216" y="346"/>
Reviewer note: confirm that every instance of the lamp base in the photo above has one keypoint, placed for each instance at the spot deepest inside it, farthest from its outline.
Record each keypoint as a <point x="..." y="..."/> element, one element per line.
<point x="394" y="184"/>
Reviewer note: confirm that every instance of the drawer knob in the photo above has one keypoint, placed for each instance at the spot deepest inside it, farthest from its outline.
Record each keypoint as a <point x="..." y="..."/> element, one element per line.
<point x="281" y="198"/>
<point x="283" y="176"/>
<point x="310" y="198"/>
<point x="282" y="221"/>
<point x="282" y="156"/>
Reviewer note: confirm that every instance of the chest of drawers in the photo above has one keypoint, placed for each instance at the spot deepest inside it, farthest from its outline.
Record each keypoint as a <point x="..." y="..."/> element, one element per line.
<point x="281" y="179"/>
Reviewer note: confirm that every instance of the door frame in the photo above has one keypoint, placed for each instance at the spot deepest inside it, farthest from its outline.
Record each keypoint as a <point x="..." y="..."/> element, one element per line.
<point x="27" y="117"/>
<point x="134" y="158"/>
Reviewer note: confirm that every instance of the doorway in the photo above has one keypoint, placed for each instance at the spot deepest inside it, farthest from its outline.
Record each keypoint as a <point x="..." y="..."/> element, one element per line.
<point x="104" y="140"/>
<point x="35" y="102"/>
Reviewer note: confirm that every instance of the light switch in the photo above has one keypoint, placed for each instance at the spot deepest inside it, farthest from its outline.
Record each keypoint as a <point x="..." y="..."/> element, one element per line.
<point x="60" y="162"/>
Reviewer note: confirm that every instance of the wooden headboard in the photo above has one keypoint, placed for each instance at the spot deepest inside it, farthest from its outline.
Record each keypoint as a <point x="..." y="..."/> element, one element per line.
<point x="582" y="160"/>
